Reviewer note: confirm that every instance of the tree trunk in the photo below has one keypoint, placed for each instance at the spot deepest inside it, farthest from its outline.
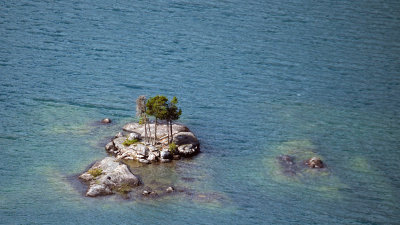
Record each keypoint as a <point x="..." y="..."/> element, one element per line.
<point x="149" y="127"/>
<point x="168" y="130"/>
<point x="155" y="132"/>
<point x="145" y="129"/>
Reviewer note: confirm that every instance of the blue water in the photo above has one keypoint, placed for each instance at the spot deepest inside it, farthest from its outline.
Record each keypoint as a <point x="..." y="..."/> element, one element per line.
<point x="255" y="79"/>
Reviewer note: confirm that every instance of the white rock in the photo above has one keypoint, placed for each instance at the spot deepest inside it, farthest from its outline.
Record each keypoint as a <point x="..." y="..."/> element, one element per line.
<point x="134" y="136"/>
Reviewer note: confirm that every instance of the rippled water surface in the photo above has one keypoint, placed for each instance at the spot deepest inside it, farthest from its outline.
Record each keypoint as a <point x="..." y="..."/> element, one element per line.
<point x="255" y="80"/>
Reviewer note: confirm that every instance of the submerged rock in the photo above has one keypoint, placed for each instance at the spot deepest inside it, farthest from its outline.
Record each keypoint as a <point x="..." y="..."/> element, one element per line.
<point x="287" y="164"/>
<point x="165" y="160"/>
<point x="170" y="189"/>
<point x="107" y="177"/>
<point x="315" y="162"/>
<point x="145" y="161"/>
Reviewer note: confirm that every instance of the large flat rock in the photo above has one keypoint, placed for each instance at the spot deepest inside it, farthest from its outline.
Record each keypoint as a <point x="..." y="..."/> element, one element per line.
<point x="107" y="177"/>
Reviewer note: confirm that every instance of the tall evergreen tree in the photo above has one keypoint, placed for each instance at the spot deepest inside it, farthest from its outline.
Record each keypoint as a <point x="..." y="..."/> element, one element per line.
<point x="173" y="113"/>
<point x="157" y="107"/>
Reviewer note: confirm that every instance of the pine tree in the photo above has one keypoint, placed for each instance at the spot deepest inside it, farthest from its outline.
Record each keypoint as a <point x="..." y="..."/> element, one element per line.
<point x="157" y="107"/>
<point x="174" y="113"/>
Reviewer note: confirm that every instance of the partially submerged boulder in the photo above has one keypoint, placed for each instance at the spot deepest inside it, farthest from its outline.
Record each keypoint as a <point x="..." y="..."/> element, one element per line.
<point x="107" y="177"/>
<point x="287" y="164"/>
<point x="315" y="162"/>
<point x="188" y="150"/>
<point x="106" y="120"/>
<point x="291" y="165"/>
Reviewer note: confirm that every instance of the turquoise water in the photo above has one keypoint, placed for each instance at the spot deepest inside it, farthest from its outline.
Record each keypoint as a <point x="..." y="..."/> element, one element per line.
<point x="255" y="79"/>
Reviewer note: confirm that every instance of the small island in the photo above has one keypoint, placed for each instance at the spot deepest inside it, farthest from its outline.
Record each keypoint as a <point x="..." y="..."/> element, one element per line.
<point x="146" y="141"/>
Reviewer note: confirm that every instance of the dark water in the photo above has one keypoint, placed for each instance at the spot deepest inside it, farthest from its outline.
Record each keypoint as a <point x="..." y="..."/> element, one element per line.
<point x="255" y="79"/>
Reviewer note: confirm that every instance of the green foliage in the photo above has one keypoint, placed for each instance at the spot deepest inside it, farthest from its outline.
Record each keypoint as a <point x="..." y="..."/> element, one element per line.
<point x="173" y="112"/>
<point x="142" y="120"/>
<point x="160" y="108"/>
<point x="123" y="188"/>
<point x="172" y="147"/>
<point x="95" y="172"/>
<point x="128" y="142"/>
<point x="157" y="107"/>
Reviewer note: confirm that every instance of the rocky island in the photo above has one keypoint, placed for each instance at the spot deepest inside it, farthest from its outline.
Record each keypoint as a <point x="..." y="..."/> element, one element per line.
<point x="171" y="141"/>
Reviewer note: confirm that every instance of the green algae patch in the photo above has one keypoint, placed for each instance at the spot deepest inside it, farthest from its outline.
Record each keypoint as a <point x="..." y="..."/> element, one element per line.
<point x="128" y="142"/>
<point x="95" y="172"/>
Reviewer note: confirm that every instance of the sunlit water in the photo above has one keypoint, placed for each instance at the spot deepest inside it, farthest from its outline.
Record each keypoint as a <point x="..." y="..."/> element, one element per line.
<point x="255" y="79"/>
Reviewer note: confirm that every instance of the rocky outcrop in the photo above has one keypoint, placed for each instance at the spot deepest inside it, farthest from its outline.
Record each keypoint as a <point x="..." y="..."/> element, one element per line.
<point x="186" y="142"/>
<point x="107" y="177"/>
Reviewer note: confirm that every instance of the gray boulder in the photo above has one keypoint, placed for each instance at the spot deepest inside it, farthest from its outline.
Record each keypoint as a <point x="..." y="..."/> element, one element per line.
<point x="142" y="150"/>
<point x="118" y="143"/>
<point x="119" y="134"/>
<point x="183" y="138"/>
<point x="110" y="146"/>
<point x="151" y="157"/>
<point x="188" y="150"/>
<point x="106" y="176"/>
<point x="134" y="136"/>
<point x="166" y="155"/>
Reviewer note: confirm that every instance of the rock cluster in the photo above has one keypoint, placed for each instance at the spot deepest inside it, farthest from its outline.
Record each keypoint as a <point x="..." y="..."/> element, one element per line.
<point x="186" y="142"/>
<point x="290" y="166"/>
<point x="107" y="177"/>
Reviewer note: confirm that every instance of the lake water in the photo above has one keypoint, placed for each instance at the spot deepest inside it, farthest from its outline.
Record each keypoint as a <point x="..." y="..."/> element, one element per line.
<point x="255" y="80"/>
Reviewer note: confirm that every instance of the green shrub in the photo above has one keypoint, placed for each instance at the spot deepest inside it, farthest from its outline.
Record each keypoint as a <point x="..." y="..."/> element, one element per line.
<point x="123" y="188"/>
<point x="172" y="147"/>
<point x="95" y="172"/>
<point x="128" y="142"/>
